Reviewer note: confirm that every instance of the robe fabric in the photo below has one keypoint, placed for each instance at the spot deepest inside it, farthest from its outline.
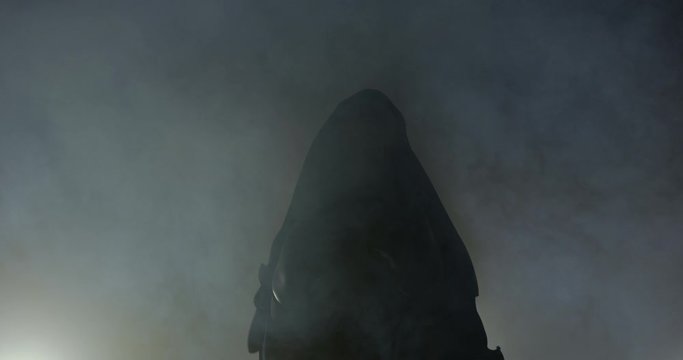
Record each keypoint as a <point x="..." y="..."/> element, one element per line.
<point x="367" y="264"/>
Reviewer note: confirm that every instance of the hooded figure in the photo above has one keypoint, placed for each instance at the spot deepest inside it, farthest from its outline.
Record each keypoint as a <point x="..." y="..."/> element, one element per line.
<point x="367" y="264"/>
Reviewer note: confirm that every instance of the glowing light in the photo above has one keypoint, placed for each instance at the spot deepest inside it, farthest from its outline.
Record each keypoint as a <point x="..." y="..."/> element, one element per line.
<point x="30" y="350"/>
<point x="26" y="354"/>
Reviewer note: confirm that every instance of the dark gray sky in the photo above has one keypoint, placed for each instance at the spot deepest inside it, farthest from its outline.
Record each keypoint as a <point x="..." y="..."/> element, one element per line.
<point x="149" y="149"/>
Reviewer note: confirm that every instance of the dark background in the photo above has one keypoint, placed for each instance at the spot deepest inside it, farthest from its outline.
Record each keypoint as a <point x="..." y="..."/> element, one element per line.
<point x="149" y="149"/>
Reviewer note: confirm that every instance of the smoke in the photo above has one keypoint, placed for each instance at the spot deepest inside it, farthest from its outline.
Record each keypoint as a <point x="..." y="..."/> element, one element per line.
<point x="148" y="152"/>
